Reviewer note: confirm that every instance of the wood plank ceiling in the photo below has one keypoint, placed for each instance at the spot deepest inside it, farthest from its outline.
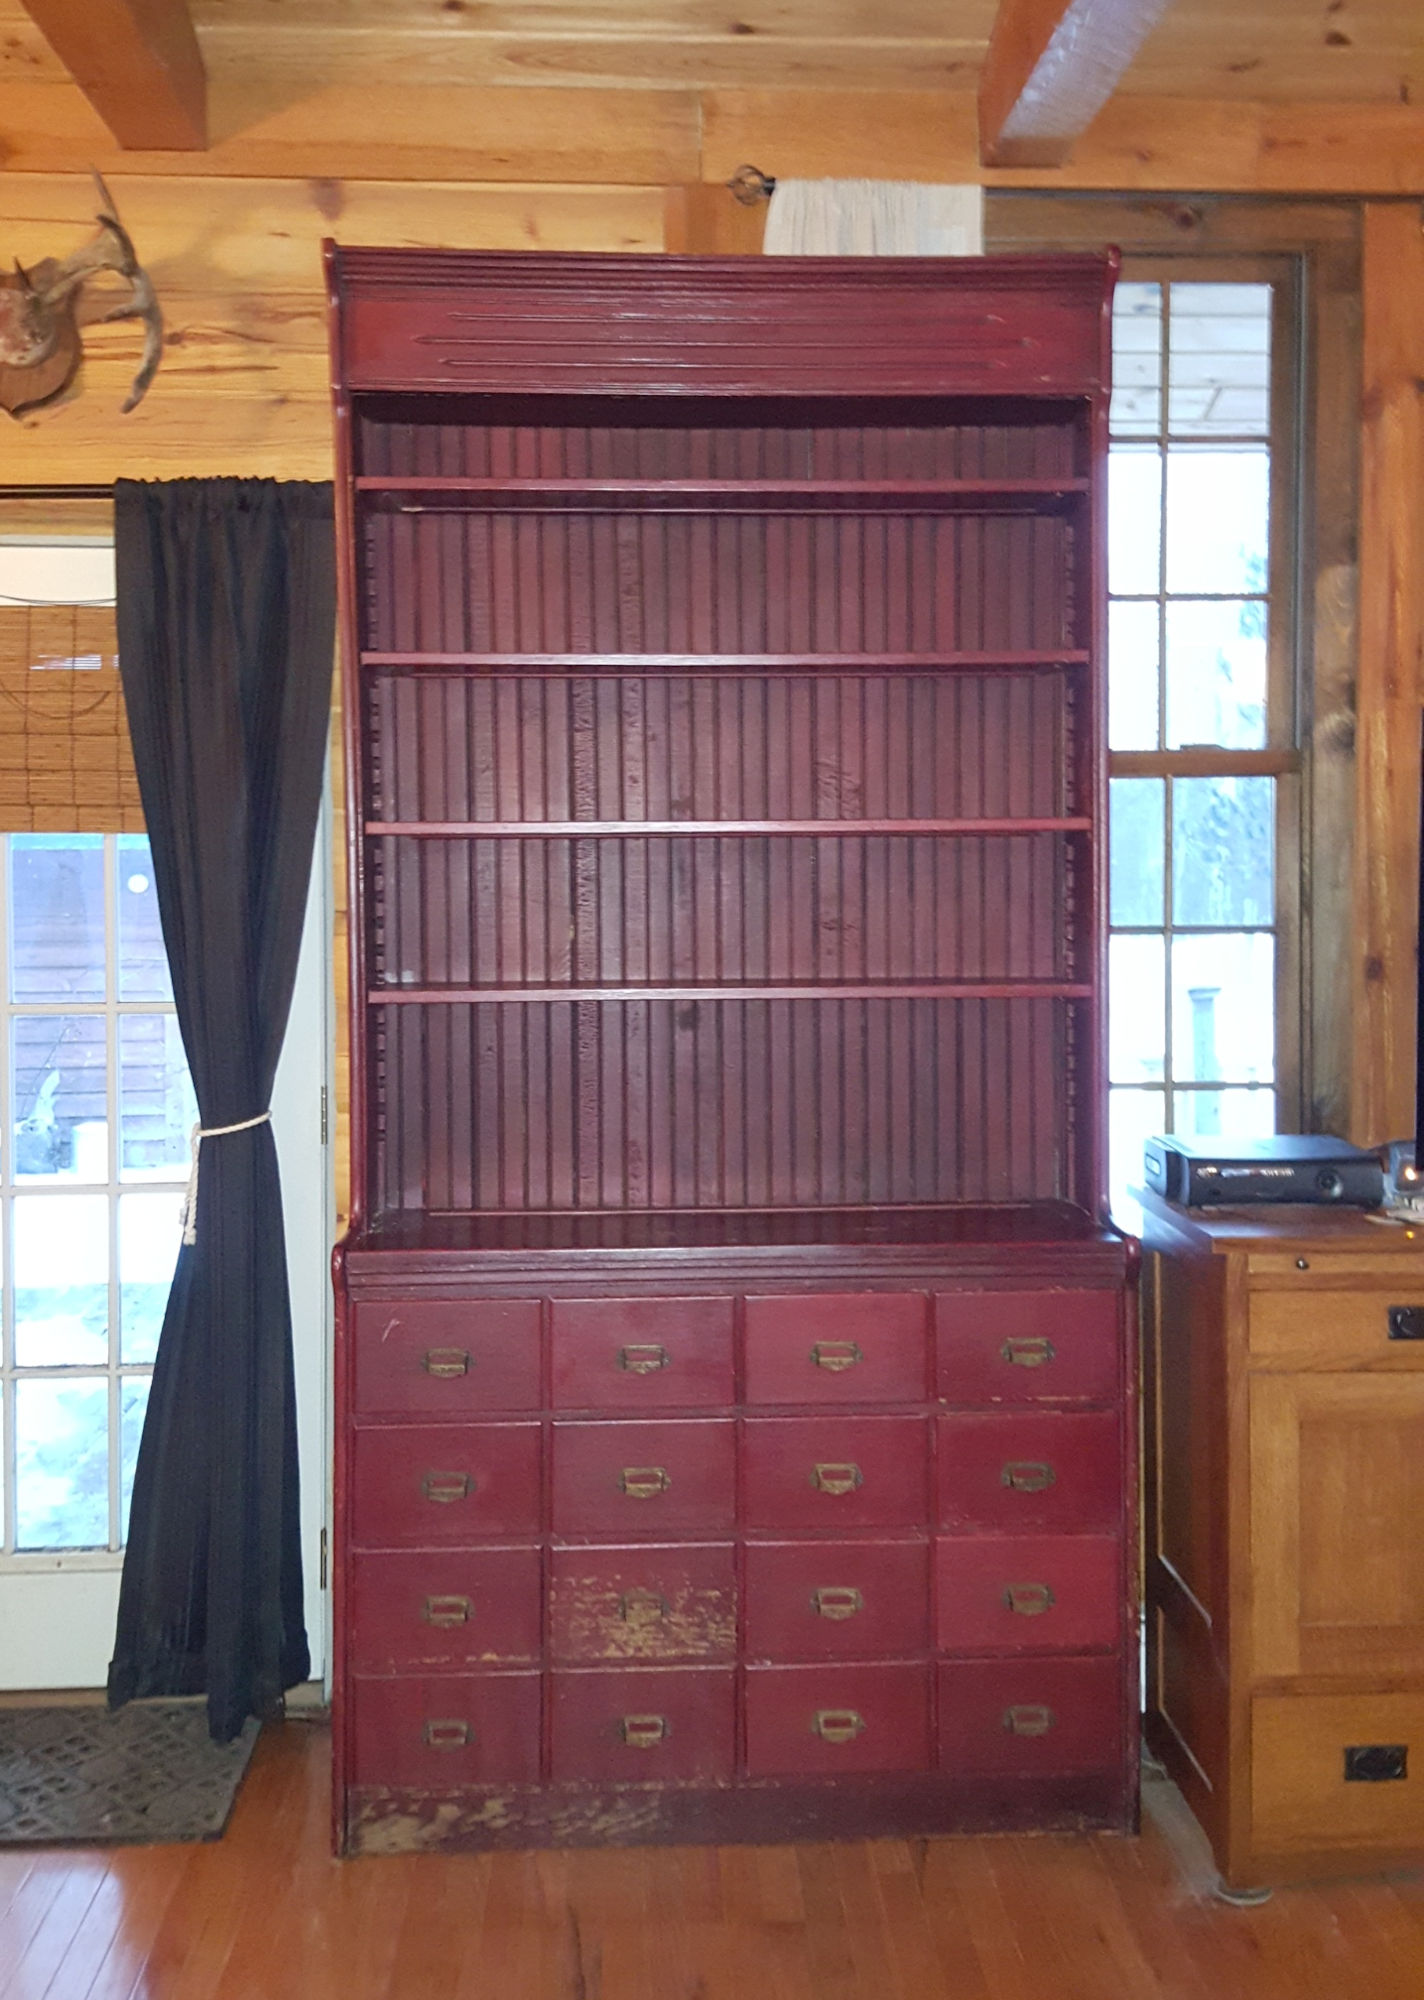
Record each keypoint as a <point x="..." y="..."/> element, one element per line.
<point x="260" y="54"/>
<point x="1299" y="96"/>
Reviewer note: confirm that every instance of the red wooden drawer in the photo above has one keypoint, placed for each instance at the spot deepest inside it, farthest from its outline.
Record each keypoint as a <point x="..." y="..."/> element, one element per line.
<point x="644" y="1725"/>
<point x="1017" y="1474"/>
<point x="836" y="1347"/>
<point x="644" y="1603"/>
<point x="443" y="1608"/>
<point x="642" y="1354"/>
<point x="1029" y="1594"/>
<point x="654" y="1479"/>
<point x="443" y="1485"/>
<point x="447" y="1357"/>
<point x="1028" y="1347"/>
<point x="1031" y="1718"/>
<point x="824" y="1720"/>
<point x="437" y="1732"/>
<point x="838" y="1473"/>
<point x="836" y="1600"/>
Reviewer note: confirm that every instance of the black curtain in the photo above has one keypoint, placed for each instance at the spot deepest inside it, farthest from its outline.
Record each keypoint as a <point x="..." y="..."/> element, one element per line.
<point x="226" y="612"/>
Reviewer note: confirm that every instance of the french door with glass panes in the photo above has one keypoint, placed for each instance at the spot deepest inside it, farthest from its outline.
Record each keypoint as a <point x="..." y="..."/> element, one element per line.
<point x="96" y="1109"/>
<point x="1202" y="531"/>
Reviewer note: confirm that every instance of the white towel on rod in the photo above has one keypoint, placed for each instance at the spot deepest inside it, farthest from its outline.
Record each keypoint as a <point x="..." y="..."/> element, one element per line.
<point x="874" y="219"/>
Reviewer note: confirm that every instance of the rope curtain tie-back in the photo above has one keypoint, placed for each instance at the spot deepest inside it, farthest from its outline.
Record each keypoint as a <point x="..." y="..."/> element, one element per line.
<point x="195" y="1141"/>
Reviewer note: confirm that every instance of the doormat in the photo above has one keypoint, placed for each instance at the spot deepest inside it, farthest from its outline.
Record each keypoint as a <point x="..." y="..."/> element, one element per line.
<point x="147" y="1772"/>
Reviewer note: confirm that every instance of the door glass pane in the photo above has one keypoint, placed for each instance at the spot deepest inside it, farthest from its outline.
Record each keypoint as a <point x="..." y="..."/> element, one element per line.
<point x="1134" y="520"/>
<point x="60" y="1095"/>
<point x="1223" y="1003"/>
<point x="1216" y="674"/>
<point x="143" y="964"/>
<point x="150" y="1228"/>
<point x="1134" y="697"/>
<point x="1137" y="1023"/>
<point x="1218" y="505"/>
<point x="1219" y="368"/>
<point x="1223" y="850"/>
<point x="157" y="1108"/>
<point x="133" y="1401"/>
<point x="62" y="1463"/>
<point x="56" y="916"/>
<point x="61" y="1280"/>
<point x="1137" y="864"/>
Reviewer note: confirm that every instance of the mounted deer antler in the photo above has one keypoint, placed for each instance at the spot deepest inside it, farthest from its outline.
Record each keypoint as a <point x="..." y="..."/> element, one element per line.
<point x="39" y="333"/>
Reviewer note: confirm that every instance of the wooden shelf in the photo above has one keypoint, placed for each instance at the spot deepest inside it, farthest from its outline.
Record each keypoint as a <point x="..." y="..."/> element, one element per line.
<point x="415" y="494"/>
<point x="718" y="829"/>
<point x="727" y="663"/>
<point x="903" y="989"/>
<point x="744" y="1022"/>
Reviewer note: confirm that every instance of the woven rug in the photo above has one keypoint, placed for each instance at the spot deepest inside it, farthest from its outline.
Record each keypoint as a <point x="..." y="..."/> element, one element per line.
<point x="149" y="1772"/>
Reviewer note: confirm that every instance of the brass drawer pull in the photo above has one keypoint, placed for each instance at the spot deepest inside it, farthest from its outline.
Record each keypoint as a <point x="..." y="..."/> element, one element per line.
<point x="446" y="1363"/>
<point x="644" y="1732"/>
<point x="836" y="1355"/>
<point x="447" y="1733"/>
<point x="643" y="1607"/>
<point x="836" y="1478"/>
<point x="644" y="1482"/>
<point x="446" y="1487"/>
<point x="447" y="1611"/>
<point x="1030" y="1350"/>
<point x="1028" y="1475"/>
<point x="644" y="1358"/>
<point x="837" y="1725"/>
<point x="837" y="1601"/>
<point x="1028" y="1718"/>
<point x="1028" y="1600"/>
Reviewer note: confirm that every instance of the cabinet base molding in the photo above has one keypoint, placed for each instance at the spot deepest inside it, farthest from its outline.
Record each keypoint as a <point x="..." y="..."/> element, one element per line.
<point x="382" y="1821"/>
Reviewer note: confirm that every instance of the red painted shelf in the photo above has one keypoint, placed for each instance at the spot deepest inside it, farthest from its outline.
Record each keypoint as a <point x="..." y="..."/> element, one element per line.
<point x="735" y="1380"/>
<point x="807" y="662"/>
<point x="703" y="829"/>
<point x="418" y="494"/>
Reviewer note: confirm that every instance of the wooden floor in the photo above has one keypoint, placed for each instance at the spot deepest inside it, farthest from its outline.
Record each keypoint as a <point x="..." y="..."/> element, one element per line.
<point x="265" y="1914"/>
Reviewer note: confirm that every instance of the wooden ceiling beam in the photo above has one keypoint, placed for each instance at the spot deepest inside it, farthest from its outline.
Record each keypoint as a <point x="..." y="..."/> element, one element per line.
<point x="1050" y="67"/>
<point x="138" y="63"/>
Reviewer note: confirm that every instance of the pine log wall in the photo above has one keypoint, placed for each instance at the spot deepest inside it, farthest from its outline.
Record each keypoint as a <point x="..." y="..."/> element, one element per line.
<point x="231" y="237"/>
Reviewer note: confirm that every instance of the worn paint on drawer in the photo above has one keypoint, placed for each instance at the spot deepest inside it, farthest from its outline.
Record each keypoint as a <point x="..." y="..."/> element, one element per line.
<point x="644" y="1603"/>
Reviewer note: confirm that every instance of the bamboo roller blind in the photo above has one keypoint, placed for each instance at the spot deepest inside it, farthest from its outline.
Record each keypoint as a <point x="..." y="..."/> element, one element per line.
<point x="65" y="761"/>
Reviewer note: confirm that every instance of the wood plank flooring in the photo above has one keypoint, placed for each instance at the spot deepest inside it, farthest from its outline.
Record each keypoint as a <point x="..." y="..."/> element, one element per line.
<point x="266" y="1914"/>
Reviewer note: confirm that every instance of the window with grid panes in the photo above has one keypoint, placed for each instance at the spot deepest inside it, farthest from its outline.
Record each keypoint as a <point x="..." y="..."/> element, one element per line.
<point x="1201" y="725"/>
<point x="95" y="1099"/>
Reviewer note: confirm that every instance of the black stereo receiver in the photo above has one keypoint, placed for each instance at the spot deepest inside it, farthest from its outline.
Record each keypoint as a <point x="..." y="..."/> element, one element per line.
<point x="1291" y="1167"/>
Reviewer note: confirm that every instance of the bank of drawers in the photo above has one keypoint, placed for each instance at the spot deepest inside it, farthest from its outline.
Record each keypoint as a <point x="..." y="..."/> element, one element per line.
<point x="698" y="1539"/>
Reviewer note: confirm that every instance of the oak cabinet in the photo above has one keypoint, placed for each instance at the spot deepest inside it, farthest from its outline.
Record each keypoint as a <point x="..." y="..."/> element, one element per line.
<point x="735" y="1366"/>
<point x="1285" y="1570"/>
